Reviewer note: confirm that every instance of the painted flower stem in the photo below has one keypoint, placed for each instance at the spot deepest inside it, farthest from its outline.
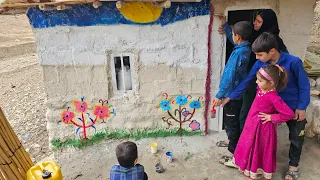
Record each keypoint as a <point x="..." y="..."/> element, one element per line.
<point x="84" y="127"/>
<point x="172" y="117"/>
<point x="74" y="123"/>
<point x="93" y="123"/>
<point x="180" y="120"/>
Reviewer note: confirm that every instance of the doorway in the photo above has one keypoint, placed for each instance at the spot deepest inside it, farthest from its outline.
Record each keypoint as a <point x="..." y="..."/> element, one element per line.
<point x="233" y="18"/>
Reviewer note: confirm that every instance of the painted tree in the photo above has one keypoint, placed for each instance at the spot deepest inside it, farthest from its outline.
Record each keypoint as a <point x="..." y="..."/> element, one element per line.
<point x="101" y="112"/>
<point x="182" y="113"/>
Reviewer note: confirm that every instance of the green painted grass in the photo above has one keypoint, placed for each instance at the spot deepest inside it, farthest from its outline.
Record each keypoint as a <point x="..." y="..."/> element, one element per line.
<point x="122" y="134"/>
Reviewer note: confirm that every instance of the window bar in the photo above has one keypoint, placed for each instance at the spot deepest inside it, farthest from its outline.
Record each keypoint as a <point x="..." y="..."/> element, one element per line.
<point x="123" y="78"/>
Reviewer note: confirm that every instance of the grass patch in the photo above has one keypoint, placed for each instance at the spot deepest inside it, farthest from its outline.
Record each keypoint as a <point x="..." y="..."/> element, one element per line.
<point x="122" y="134"/>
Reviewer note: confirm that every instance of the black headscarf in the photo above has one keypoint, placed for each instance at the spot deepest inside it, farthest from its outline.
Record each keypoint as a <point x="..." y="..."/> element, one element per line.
<point x="270" y="24"/>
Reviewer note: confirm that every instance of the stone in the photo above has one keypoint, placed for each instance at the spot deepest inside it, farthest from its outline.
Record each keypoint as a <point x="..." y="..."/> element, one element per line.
<point x="318" y="82"/>
<point x="313" y="82"/>
<point x="313" y="118"/>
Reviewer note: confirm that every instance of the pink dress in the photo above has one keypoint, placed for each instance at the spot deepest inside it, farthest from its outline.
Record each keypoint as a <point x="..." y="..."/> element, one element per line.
<point x="255" y="154"/>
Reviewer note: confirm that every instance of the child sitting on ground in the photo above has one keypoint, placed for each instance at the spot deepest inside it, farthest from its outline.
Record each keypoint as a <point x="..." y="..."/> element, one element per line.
<point x="127" y="169"/>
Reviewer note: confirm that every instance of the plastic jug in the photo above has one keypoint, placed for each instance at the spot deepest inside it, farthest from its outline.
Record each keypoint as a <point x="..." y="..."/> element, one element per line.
<point x="45" y="170"/>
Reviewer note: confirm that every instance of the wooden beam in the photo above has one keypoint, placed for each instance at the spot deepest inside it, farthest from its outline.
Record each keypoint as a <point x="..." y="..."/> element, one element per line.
<point x="45" y="3"/>
<point x="96" y="4"/>
<point x="164" y="4"/>
<point x="46" y="8"/>
<point x="152" y="0"/>
<point x="119" y="4"/>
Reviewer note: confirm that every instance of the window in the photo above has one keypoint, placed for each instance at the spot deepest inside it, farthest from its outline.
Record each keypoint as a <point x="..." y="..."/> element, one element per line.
<point x="122" y="73"/>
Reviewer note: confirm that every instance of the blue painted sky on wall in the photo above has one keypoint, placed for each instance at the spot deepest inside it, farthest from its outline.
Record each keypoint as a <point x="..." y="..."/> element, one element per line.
<point x="108" y="14"/>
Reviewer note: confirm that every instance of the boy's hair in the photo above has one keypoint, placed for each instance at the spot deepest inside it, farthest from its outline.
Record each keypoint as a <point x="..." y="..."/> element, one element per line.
<point x="278" y="74"/>
<point x="127" y="153"/>
<point x="243" y="29"/>
<point x="264" y="43"/>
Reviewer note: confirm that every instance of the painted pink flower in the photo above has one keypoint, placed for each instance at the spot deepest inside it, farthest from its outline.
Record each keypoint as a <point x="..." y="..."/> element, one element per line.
<point x="194" y="125"/>
<point x="81" y="106"/>
<point x="101" y="112"/>
<point x="67" y="116"/>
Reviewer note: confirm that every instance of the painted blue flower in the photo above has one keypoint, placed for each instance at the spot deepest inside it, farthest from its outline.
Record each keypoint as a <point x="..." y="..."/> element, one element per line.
<point x="181" y="100"/>
<point x="195" y="104"/>
<point x="165" y="105"/>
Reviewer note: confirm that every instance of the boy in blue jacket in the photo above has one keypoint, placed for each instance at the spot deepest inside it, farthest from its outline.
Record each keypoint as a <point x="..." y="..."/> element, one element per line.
<point x="234" y="72"/>
<point x="296" y="94"/>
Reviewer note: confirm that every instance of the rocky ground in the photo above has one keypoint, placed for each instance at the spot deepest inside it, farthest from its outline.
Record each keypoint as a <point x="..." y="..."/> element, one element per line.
<point x="314" y="41"/>
<point x="22" y="91"/>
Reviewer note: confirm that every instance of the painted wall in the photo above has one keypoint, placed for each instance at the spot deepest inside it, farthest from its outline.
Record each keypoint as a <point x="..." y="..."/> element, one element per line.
<point x="169" y="57"/>
<point x="296" y="20"/>
<point x="76" y="63"/>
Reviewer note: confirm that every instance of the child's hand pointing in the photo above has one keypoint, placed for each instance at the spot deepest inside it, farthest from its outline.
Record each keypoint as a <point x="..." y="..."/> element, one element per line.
<point x="264" y="117"/>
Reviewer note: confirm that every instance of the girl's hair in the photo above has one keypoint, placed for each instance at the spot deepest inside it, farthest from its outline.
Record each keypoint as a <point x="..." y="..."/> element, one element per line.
<point x="278" y="75"/>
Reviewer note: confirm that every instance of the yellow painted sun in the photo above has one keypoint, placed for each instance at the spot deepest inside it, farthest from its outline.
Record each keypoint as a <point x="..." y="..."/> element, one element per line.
<point x="140" y="12"/>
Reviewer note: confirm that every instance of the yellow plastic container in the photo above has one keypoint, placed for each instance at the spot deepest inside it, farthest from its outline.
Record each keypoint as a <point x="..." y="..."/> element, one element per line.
<point x="45" y="170"/>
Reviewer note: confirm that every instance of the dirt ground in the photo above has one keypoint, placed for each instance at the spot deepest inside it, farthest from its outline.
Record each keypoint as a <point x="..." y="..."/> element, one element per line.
<point x="22" y="94"/>
<point x="96" y="161"/>
<point x="22" y="98"/>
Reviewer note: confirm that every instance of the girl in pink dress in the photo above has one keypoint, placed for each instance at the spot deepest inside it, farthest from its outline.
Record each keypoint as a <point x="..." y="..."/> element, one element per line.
<point x="255" y="154"/>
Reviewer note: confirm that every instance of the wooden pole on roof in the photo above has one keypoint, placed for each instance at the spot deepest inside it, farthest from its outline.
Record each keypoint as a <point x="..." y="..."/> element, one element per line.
<point x="152" y="0"/>
<point x="14" y="160"/>
<point x="163" y="4"/>
<point x="96" y="4"/>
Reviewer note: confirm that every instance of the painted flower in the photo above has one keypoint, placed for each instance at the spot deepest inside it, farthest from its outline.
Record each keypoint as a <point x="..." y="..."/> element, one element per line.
<point x="165" y="105"/>
<point x="185" y="113"/>
<point x="101" y="112"/>
<point x="81" y="106"/>
<point x="194" y="125"/>
<point x="195" y="104"/>
<point x="67" y="116"/>
<point x="181" y="100"/>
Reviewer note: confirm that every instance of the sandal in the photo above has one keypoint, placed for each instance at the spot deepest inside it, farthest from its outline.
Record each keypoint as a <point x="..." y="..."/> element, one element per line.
<point x="230" y="164"/>
<point x="293" y="174"/>
<point x="225" y="159"/>
<point x="222" y="144"/>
